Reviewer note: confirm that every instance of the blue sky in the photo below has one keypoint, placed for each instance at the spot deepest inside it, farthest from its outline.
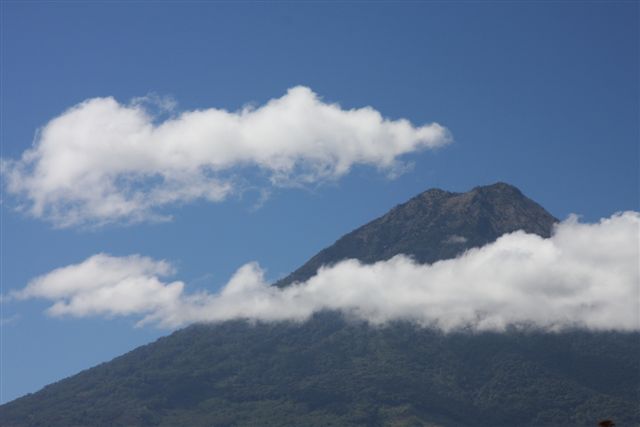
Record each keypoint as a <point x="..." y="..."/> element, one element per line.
<point x="543" y="95"/>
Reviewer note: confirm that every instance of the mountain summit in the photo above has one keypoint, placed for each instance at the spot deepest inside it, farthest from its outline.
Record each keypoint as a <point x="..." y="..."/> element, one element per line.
<point x="436" y="225"/>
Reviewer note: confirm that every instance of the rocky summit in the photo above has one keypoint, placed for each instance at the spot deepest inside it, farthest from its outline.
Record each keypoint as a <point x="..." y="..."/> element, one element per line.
<point x="436" y="225"/>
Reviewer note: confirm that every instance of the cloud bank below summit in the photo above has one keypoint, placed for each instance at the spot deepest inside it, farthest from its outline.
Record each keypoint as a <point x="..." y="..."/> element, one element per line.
<point x="585" y="275"/>
<point x="102" y="161"/>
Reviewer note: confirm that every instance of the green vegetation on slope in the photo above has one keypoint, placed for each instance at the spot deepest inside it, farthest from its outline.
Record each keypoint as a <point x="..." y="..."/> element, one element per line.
<point x="330" y="371"/>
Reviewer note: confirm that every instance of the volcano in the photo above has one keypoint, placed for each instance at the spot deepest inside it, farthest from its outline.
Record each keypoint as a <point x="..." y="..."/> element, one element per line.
<point x="336" y="371"/>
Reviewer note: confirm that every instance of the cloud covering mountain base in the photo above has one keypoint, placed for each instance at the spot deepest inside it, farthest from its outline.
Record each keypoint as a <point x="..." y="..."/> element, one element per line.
<point x="585" y="275"/>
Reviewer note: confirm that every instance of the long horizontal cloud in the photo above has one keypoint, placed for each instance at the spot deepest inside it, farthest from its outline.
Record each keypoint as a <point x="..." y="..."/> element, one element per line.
<point x="585" y="275"/>
<point x="102" y="161"/>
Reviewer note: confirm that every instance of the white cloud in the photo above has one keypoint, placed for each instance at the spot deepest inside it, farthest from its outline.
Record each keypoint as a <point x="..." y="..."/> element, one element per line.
<point x="102" y="161"/>
<point x="585" y="275"/>
<point x="455" y="240"/>
<point x="106" y="285"/>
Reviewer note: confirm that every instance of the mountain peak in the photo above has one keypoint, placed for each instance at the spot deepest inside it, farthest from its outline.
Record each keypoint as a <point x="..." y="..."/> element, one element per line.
<point x="435" y="225"/>
<point x="499" y="186"/>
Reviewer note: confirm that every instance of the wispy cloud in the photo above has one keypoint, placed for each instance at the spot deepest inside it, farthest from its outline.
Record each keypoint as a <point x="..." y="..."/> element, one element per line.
<point x="102" y="161"/>
<point x="455" y="240"/>
<point x="10" y="320"/>
<point x="585" y="275"/>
